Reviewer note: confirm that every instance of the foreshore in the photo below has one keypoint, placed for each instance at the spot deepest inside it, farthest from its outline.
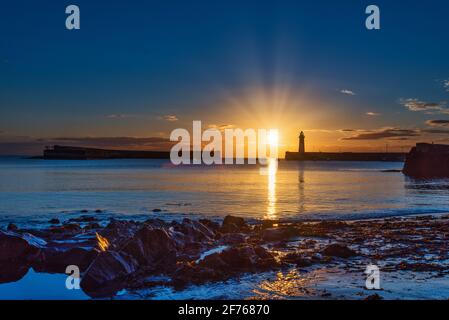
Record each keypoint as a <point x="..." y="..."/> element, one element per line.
<point x="315" y="260"/>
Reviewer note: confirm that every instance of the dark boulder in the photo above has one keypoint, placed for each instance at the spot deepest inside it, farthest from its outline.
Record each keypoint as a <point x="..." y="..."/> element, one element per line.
<point x="339" y="251"/>
<point x="297" y="259"/>
<point x="425" y="161"/>
<point x="269" y="224"/>
<point x="84" y="219"/>
<point x="149" y="250"/>
<point x="54" y="221"/>
<point x="233" y="224"/>
<point x="279" y="234"/>
<point x="197" y="231"/>
<point x="152" y="247"/>
<point x="108" y="273"/>
<point x="118" y="232"/>
<point x="373" y="297"/>
<point x="92" y="226"/>
<point x="212" y="225"/>
<point x="53" y="260"/>
<point x="12" y="227"/>
<point x="224" y="265"/>
<point x="66" y="229"/>
<point x="233" y="238"/>
<point x="19" y="247"/>
<point x="17" y="252"/>
<point x="240" y="259"/>
<point x="12" y="271"/>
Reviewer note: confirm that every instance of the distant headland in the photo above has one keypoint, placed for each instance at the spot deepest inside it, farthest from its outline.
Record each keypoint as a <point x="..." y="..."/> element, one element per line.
<point x="80" y="153"/>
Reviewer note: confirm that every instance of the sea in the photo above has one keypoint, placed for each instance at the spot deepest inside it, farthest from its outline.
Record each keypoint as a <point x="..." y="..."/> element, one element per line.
<point x="34" y="191"/>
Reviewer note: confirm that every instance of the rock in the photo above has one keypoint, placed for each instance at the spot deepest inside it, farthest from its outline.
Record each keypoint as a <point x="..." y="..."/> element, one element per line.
<point x="243" y="258"/>
<point x="92" y="226"/>
<point x="108" y="273"/>
<point x="53" y="260"/>
<point x="233" y="238"/>
<point x="266" y="224"/>
<point x="71" y="228"/>
<point x="226" y="264"/>
<point x="427" y="161"/>
<point x="118" y="232"/>
<point x="12" y="227"/>
<point x="279" y="234"/>
<point x="12" y="271"/>
<point x="332" y="225"/>
<point x="157" y="210"/>
<point x="196" y="230"/>
<point x="19" y="248"/>
<point x="420" y="267"/>
<point x="214" y="226"/>
<point x="17" y="252"/>
<point x="373" y="297"/>
<point x="233" y="224"/>
<point x="298" y="260"/>
<point x="238" y="221"/>
<point x="149" y="250"/>
<point x="339" y="251"/>
<point x="83" y="219"/>
<point x="99" y="211"/>
<point x="54" y="221"/>
<point x="152" y="247"/>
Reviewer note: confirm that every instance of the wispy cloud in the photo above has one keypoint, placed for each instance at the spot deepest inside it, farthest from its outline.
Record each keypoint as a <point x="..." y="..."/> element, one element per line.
<point x="348" y="92"/>
<point x="120" y="116"/>
<point x="221" y="127"/>
<point x="383" y="134"/>
<point x="170" y="118"/>
<point x="422" y="106"/>
<point x="372" y="114"/>
<point x="446" y="84"/>
<point x="438" y="123"/>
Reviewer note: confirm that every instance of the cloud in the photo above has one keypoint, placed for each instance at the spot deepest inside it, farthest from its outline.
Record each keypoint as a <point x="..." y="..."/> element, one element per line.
<point x="348" y="92"/>
<point x="435" y="131"/>
<point x="170" y="118"/>
<point x="429" y="107"/>
<point x="438" y="123"/>
<point x="372" y="114"/>
<point x="110" y="141"/>
<point x="120" y="116"/>
<point x="221" y="127"/>
<point x="383" y="134"/>
<point x="446" y="85"/>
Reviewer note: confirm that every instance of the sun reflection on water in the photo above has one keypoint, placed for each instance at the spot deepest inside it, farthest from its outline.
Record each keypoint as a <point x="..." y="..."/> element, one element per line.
<point x="272" y="199"/>
<point x="289" y="285"/>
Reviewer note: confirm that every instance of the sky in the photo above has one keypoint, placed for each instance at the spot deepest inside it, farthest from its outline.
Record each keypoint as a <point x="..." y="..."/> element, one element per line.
<point x="137" y="70"/>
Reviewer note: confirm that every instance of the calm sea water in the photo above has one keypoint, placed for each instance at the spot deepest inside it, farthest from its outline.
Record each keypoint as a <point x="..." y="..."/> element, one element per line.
<point x="34" y="190"/>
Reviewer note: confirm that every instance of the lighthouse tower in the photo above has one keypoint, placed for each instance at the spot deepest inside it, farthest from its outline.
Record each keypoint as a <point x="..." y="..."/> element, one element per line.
<point x="302" y="144"/>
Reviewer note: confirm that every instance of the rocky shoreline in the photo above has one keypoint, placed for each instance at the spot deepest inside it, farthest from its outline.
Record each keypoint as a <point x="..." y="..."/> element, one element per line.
<point x="126" y="254"/>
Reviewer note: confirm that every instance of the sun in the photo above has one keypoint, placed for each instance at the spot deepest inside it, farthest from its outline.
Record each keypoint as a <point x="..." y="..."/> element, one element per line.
<point x="273" y="137"/>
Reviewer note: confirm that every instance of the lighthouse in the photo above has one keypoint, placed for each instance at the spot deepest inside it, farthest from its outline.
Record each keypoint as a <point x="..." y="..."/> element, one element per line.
<point x="302" y="144"/>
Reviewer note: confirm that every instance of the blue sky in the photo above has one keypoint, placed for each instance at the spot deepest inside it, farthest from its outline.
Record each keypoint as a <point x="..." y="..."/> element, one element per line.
<point x="141" y="69"/>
